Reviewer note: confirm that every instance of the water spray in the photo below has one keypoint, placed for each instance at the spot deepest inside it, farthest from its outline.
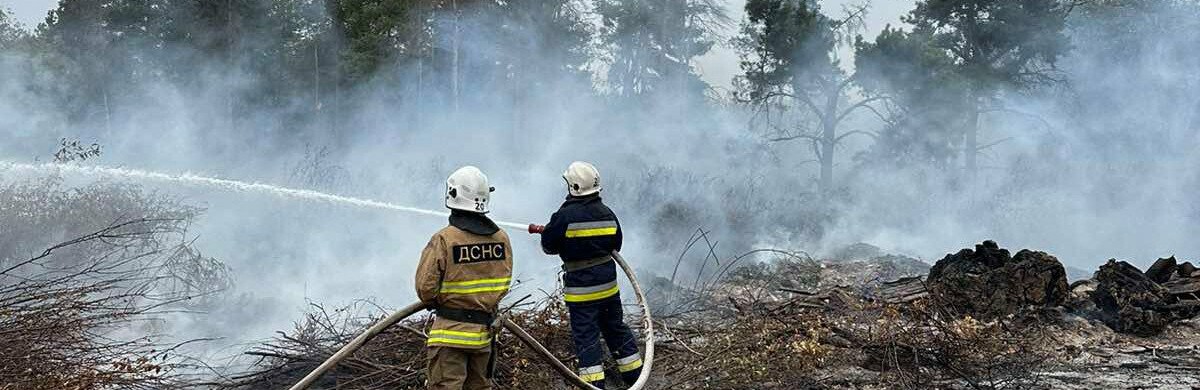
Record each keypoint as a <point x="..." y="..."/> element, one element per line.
<point x="189" y="178"/>
<point x="241" y="186"/>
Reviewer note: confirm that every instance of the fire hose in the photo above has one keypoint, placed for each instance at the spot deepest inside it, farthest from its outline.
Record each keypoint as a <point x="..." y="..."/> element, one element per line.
<point x="570" y="376"/>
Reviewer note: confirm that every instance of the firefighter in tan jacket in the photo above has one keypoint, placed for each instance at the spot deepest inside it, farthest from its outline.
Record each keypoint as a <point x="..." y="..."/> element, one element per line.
<point x="465" y="271"/>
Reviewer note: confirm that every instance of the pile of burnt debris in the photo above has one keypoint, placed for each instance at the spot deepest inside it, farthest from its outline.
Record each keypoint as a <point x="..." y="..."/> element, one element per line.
<point x="1141" y="303"/>
<point x="988" y="283"/>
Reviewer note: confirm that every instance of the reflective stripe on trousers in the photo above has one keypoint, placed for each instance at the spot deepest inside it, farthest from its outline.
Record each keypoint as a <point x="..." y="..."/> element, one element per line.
<point x="590" y="293"/>
<point x="592" y="373"/>
<point x="602" y="319"/>
<point x="591" y="229"/>
<point x="453" y="337"/>
<point x="475" y="286"/>
<point x="629" y="363"/>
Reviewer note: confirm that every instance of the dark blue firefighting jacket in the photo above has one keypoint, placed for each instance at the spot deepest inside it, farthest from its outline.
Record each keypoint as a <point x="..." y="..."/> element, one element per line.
<point x="584" y="233"/>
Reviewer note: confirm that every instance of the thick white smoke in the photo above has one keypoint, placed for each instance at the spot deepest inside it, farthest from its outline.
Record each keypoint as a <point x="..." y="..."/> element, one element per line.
<point x="1104" y="166"/>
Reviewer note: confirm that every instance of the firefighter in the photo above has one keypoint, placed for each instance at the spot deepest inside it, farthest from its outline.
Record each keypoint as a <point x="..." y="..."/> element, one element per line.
<point x="465" y="271"/>
<point x="584" y="233"/>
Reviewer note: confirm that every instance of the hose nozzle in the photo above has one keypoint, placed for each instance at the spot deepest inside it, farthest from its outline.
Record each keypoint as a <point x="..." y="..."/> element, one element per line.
<point x="536" y="229"/>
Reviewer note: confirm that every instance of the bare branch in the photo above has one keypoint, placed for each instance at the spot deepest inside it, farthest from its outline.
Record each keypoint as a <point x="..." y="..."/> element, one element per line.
<point x="991" y="144"/>
<point x="794" y="137"/>
<point x="865" y="103"/>
<point x="854" y="132"/>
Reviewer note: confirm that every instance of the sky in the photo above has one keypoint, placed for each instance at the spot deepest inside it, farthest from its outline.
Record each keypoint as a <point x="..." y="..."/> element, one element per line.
<point x="718" y="67"/>
<point x="29" y="12"/>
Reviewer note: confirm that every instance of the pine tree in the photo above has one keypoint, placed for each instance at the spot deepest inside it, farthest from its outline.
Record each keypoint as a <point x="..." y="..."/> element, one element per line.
<point x="12" y="34"/>
<point x="928" y="98"/>
<point x="995" y="44"/>
<point x="789" y="58"/>
<point x="654" y="42"/>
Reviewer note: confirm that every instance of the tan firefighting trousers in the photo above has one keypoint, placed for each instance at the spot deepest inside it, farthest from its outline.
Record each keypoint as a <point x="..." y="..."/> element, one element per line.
<point x="458" y="369"/>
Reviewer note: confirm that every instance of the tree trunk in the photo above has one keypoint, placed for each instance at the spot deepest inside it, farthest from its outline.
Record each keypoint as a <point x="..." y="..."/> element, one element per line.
<point x="971" y="148"/>
<point x="518" y="86"/>
<point x="454" y="61"/>
<point x="107" y="114"/>
<point x="231" y="61"/>
<point x="828" y="143"/>
<point x="420" y="88"/>
<point x="425" y="47"/>
<point x="316" y="77"/>
<point x="829" y="125"/>
<point x="337" y="83"/>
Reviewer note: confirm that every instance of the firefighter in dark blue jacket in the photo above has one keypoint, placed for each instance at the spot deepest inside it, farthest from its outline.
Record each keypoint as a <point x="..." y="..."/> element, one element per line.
<point x="584" y="233"/>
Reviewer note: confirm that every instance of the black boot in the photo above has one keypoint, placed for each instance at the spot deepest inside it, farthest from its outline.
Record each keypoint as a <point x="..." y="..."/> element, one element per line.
<point x="629" y="377"/>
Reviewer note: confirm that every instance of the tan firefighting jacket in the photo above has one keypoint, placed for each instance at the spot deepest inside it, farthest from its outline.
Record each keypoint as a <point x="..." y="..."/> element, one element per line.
<point x="462" y="270"/>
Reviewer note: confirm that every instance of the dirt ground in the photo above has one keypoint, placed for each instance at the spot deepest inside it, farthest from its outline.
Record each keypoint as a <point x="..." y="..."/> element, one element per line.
<point x="1102" y="359"/>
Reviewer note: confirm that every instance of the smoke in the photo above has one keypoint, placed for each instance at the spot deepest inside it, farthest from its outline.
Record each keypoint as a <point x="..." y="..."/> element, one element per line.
<point x="1102" y="166"/>
<point x="160" y="111"/>
<point x="1099" y="166"/>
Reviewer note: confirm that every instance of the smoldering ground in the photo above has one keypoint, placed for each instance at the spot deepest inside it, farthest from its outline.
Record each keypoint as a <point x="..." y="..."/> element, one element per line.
<point x="1098" y="165"/>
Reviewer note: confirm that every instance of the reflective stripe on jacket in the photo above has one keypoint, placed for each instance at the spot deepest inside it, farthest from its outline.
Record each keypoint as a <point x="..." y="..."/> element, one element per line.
<point x="459" y="338"/>
<point x="592" y="229"/>
<point x="464" y="270"/>
<point x="475" y="286"/>
<point x="590" y="293"/>
<point x="583" y="230"/>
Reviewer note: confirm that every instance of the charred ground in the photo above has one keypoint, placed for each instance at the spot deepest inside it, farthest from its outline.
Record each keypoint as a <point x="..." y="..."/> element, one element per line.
<point x="979" y="319"/>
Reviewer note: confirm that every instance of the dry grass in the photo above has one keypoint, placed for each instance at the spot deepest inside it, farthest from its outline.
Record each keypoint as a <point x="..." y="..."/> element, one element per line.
<point x="395" y="359"/>
<point x="756" y="326"/>
<point x="78" y="324"/>
<point x="86" y="274"/>
<point x="922" y="345"/>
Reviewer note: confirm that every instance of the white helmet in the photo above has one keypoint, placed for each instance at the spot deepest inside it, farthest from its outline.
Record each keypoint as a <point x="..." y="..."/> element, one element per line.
<point x="467" y="189"/>
<point x="582" y="179"/>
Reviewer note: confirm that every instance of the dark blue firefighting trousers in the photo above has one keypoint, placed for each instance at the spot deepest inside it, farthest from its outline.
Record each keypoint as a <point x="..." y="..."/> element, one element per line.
<point x="590" y="321"/>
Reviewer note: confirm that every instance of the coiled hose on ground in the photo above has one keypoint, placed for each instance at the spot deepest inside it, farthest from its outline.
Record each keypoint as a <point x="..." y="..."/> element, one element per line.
<point x="566" y="372"/>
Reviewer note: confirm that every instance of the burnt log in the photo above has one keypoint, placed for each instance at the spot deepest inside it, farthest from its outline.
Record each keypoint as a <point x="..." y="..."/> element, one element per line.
<point x="903" y="290"/>
<point x="1185" y="270"/>
<point x="1162" y="270"/>
<point x="1128" y="301"/>
<point x="988" y="283"/>
<point x="1183" y="286"/>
